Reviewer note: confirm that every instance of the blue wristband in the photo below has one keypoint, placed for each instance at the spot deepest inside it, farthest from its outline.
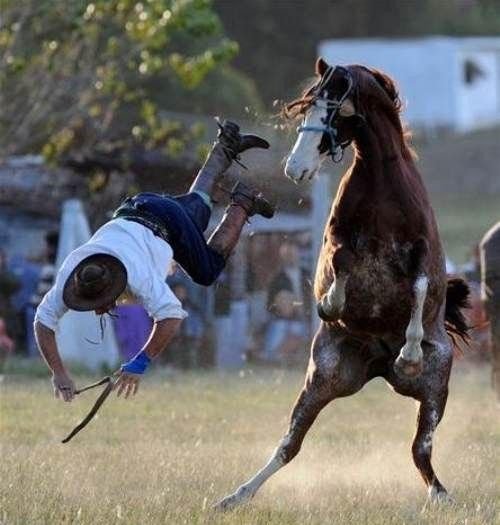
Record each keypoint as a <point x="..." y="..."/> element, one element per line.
<point x="138" y="364"/>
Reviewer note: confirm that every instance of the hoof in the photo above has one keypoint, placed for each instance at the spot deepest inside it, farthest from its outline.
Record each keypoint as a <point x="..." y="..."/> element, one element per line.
<point x="437" y="498"/>
<point x="329" y="315"/>
<point x="242" y="495"/>
<point x="327" y="318"/>
<point x="408" y="369"/>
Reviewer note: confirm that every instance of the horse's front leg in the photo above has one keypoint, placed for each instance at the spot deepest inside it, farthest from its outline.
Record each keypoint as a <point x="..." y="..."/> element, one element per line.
<point x="331" y="305"/>
<point x="409" y="363"/>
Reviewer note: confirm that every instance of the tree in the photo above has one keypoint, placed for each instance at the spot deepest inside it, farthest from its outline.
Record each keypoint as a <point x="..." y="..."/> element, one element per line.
<point x="79" y="76"/>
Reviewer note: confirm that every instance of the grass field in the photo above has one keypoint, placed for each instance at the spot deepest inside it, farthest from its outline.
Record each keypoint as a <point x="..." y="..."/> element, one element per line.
<point x="187" y="440"/>
<point x="463" y="219"/>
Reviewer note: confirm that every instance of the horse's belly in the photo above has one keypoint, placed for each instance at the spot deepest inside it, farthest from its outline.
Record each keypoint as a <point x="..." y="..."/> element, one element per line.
<point x="377" y="299"/>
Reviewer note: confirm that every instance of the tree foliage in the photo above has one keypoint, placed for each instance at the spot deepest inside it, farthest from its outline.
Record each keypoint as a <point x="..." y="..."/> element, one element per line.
<point x="86" y="74"/>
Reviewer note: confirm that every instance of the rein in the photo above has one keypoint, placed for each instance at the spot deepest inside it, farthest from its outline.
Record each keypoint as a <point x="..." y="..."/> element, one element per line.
<point x="110" y="383"/>
<point x="335" y="148"/>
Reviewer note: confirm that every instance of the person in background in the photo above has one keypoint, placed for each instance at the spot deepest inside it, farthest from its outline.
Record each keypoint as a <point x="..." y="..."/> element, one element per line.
<point x="132" y="327"/>
<point x="8" y="286"/>
<point x="45" y="281"/>
<point x="286" y="333"/>
<point x="291" y="277"/>
<point x="6" y="344"/>
<point x="490" y="293"/>
<point x="27" y="274"/>
<point x="186" y="348"/>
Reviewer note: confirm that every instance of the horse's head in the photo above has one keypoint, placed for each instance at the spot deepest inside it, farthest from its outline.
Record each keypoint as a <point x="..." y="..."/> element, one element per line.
<point x="332" y="110"/>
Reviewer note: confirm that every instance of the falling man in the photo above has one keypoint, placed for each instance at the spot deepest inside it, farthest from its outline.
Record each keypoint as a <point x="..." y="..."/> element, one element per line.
<point x="134" y="250"/>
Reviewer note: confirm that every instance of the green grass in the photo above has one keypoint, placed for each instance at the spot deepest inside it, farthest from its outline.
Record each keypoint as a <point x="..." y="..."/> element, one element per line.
<point x="463" y="219"/>
<point x="186" y="440"/>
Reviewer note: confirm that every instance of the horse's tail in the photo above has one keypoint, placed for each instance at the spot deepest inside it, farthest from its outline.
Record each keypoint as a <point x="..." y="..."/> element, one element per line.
<point x="457" y="298"/>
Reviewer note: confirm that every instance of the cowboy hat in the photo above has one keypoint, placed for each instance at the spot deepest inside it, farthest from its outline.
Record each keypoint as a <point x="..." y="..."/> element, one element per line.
<point x="96" y="282"/>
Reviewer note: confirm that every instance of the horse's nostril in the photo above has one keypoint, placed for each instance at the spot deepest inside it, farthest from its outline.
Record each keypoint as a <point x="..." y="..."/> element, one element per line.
<point x="303" y="174"/>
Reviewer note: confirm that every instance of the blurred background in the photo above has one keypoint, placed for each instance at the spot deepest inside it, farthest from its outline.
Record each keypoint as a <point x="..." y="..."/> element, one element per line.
<point x="103" y="99"/>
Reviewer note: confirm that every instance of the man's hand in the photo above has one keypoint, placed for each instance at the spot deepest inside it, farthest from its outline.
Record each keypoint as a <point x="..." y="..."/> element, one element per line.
<point x="63" y="386"/>
<point x="127" y="382"/>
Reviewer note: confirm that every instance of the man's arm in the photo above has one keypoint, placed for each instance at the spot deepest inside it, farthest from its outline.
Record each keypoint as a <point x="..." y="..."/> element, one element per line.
<point x="63" y="384"/>
<point x="162" y="333"/>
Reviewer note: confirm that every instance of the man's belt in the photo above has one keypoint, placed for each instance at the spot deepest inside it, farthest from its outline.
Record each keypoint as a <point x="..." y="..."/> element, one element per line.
<point x="145" y="218"/>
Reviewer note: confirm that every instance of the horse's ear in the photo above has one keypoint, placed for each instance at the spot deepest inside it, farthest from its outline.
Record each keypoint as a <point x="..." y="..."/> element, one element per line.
<point x="321" y="66"/>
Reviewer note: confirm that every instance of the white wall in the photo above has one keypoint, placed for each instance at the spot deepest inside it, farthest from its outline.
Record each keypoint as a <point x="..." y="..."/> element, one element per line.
<point x="478" y="103"/>
<point x="429" y="73"/>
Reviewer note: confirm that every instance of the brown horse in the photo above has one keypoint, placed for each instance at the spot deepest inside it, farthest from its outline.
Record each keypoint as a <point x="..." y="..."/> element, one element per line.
<point x="386" y="307"/>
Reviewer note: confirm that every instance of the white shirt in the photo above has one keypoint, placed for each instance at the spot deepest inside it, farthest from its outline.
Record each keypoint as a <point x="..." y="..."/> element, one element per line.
<point x="146" y="258"/>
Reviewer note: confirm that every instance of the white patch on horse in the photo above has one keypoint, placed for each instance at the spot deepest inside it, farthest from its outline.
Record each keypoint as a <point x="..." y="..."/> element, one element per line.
<point x="412" y="350"/>
<point x="334" y="302"/>
<point x="426" y="445"/>
<point x="436" y="496"/>
<point x="305" y="160"/>
<point x="247" y="491"/>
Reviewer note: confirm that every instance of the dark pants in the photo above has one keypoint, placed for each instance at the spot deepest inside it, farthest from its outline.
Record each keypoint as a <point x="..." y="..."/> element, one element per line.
<point x="185" y="218"/>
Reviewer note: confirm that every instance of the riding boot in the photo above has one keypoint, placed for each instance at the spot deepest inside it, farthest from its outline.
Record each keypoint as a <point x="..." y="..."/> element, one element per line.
<point x="230" y="143"/>
<point x="216" y="163"/>
<point x="244" y="203"/>
<point x="226" y="235"/>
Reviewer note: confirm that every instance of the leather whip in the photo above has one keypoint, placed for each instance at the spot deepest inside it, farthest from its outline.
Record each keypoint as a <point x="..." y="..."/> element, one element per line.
<point x="108" y="381"/>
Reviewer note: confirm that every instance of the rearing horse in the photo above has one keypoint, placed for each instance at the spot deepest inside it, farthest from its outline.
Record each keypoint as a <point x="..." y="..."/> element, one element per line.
<point x="386" y="307"/>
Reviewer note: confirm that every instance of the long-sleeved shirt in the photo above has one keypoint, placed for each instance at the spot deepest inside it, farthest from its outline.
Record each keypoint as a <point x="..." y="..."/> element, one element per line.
<point x="146" y="258"/>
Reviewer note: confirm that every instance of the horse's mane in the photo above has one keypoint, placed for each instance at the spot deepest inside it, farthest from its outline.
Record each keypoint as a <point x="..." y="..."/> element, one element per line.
<point x="373" y="88"/>
<point x="297" y="107"/>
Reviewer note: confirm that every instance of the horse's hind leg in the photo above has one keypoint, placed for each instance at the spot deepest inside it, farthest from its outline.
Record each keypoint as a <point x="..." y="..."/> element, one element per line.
<point x="431" y="391"/>
<point x="429" y="415"/>
<point x="330" y="375"/>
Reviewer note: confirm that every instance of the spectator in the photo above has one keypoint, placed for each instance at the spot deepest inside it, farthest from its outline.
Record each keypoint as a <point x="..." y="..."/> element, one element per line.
<point x="8" y="286"/>
<point x="490" y="288"/>
<point x="285" y="336"/>
<point x="27" y="274"/>
<point x="290" y="277"/>
<point x="187" y="347"/>
<point x="132" y="327"/>
<point x="45" y="281"/>
<point x="6" y="344"/>
<point x="286" y="332"/>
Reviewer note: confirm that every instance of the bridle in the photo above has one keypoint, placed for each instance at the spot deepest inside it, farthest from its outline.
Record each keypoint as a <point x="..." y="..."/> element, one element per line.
<point x="334" y="147"/>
